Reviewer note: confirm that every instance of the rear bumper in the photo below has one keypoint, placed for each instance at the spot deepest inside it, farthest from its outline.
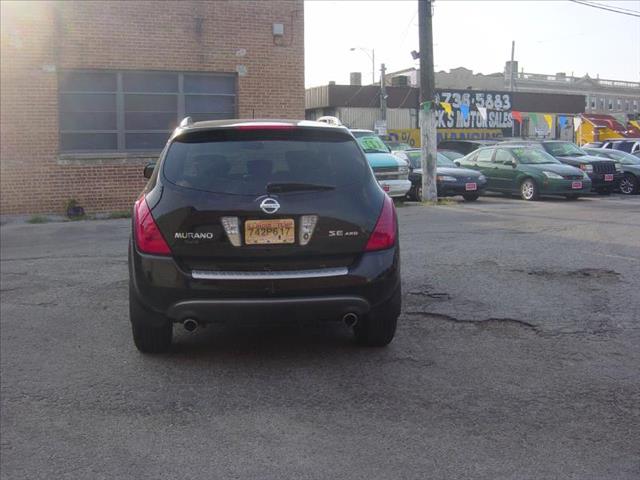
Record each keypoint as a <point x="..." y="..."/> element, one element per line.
<point x="395" y="188"/>
<point x="163" y="287"/>
<point x="451" y="189"/>
<point x="332" y="307"/>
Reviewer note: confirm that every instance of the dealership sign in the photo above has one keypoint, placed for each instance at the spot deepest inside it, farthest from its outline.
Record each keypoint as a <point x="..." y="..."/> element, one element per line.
<point x="462" y="109"/>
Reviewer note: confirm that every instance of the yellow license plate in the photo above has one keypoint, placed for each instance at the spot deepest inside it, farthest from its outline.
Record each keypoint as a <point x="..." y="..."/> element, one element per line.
<point x="257" y="232"/>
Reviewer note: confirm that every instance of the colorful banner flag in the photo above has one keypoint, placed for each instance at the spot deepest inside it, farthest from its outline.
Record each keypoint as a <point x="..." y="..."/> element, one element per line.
<point x="534" y="119"/>
<point x="549" y="119"/>
<point x="464" y="109"/>
<point x="483" y="112"/>
<point x="517" y="116"/>
<point x="562" y="120"/>
<point x="447" y="108"/>
<point x="577" y="121"/>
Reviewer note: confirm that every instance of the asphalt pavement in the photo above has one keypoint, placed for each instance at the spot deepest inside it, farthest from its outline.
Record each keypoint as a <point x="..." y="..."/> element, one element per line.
<point x="517" y="357"/>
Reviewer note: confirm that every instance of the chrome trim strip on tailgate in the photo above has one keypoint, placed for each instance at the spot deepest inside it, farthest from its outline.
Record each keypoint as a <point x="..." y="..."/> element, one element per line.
<point x="267" y="275"/>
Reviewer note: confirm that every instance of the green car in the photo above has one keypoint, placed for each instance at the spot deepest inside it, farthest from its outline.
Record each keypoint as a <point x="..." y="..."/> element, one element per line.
<point x="528" y="171"/>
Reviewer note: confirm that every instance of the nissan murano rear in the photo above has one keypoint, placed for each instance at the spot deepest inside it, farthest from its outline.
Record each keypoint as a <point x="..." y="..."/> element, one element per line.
<point x="261" y="220"/>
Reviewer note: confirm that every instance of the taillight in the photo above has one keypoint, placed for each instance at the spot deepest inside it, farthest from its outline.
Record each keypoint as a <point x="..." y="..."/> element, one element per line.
<point x="265" y="126"/>
<point x="384" y="233"/>
<point x="147" y="234"/>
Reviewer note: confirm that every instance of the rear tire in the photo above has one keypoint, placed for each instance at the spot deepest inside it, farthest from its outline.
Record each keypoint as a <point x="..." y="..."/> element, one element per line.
<point x="378" y="327"/>
<point x="629" y="184"/>
<point x="417" y="194"/>
<point x="529" y="189"/>
<point x="470" y="197"/>
<point x="149" y="336"/>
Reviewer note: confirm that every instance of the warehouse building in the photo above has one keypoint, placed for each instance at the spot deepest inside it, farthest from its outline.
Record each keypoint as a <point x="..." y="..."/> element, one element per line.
<point x="619" y="98"/>
<point x="471" y="113"/>
<point x="91" y="90"/>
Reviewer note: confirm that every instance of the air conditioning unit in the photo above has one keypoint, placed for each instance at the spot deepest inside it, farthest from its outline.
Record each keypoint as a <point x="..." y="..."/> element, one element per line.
<point x="400" y="81"/>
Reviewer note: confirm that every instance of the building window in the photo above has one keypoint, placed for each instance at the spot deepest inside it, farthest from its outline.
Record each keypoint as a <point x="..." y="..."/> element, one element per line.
<point x="602" y="104"/>
<point x="626" y="105"/>
<point x="635" y="105"/>
<point x="593" y="103"/>
<point x="619" y="104"/>
<point x="129" y="110"/>
<point x="610" y="104"/>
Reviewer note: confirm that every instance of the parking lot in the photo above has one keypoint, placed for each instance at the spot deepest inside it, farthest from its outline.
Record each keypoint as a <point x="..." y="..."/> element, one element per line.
<point x="516" y="357"/>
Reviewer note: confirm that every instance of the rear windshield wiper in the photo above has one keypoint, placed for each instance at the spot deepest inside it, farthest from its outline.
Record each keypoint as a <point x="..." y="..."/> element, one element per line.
<point x="279" y="187"/>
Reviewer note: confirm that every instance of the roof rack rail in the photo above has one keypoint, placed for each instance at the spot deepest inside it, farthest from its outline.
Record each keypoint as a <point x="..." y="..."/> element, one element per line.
<point x="186" y="121"/>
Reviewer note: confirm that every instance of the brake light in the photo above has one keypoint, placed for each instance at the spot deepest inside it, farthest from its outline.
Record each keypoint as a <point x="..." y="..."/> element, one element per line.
<point x="384" y="233"/>
<point x="265" y="126"/>
<point x="147" y="234"/>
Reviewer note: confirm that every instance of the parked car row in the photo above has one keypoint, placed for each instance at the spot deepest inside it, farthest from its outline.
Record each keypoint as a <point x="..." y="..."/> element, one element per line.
<point x="534" y="174"/>
<point x="529" y="168"/>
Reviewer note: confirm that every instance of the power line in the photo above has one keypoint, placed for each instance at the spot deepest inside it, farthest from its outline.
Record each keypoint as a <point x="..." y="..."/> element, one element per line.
<point x="609" y="9"/>
<point x="616" y="8"/>
<point x="624" y="11"/>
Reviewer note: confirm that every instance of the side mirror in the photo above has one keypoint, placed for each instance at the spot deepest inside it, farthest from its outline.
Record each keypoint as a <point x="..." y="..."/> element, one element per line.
<point x="148" y="169"/>
<point x="510" y="163"/>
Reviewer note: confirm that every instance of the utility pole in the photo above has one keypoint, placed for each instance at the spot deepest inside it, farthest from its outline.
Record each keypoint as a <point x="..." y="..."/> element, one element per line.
<point x="512" y="85"/>
<point x="373" y="66"/>
<point x="428" y="135"/>
<point x="383" y="93"/>
<point x="512" y="79"/>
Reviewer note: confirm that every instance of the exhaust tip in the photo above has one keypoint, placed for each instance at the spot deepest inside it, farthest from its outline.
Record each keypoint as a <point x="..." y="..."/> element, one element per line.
<point x="350" y="319"/>
<point x="190" y="324"/>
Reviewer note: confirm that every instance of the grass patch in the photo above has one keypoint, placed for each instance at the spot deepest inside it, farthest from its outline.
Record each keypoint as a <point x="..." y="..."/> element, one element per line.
<point x="119" y="214"/>
<point x="38" y="219"/>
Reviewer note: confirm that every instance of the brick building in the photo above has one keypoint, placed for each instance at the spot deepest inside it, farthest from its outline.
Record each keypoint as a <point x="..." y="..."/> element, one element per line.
<point x="90" y="90"/>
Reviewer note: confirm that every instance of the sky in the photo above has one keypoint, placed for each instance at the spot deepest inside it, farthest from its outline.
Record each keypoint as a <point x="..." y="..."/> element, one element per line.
<point x="551" y="36"/>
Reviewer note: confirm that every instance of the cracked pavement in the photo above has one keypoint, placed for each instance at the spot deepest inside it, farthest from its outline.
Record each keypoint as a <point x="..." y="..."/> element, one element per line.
<point x="516" y="358"/>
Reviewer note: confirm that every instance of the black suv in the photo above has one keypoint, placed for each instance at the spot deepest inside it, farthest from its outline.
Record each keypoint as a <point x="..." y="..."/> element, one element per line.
<point x="245" y="219"/>
<point x="605" y="174"/>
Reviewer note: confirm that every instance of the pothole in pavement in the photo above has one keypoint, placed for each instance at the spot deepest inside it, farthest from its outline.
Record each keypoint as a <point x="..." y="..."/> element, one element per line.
<point x="594" y="273"/>
<point x="500" y="322"/>
<point x="478" y="323"/>
<point x="428" y="294"/>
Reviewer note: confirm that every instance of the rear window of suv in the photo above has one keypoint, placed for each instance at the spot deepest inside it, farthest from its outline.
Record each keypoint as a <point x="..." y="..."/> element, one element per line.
<point x="246" y="161"/>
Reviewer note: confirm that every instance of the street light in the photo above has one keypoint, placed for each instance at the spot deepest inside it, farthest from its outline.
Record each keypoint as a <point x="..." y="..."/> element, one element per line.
<point x="372" y="56"/>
